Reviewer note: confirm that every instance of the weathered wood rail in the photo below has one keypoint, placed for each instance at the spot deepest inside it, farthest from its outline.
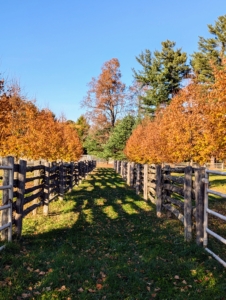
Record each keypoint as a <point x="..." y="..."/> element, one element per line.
<point x="37" y="183"/>
<point x="177" y="190"/>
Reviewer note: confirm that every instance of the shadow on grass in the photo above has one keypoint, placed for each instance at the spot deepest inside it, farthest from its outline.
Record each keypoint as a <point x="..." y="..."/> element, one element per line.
<point x="114" y="248"/>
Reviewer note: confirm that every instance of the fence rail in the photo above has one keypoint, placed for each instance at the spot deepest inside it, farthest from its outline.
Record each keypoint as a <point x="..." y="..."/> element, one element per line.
<point x="179" y="190"/>
<point x="36" y="183"/>
<point x="214" y="213"/>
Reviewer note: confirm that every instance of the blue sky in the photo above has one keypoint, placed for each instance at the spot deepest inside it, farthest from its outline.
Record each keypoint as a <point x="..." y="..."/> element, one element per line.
<point x="53" y="48"/>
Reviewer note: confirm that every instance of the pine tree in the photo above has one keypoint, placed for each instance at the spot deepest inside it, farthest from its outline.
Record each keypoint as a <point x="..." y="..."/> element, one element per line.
<point x="118" y="138"/>
<point x="162" y="75"/>
<point x="212" y="50"/>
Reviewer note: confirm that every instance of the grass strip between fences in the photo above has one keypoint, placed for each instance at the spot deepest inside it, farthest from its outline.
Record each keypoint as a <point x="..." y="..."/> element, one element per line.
<point x="105" y="242"/>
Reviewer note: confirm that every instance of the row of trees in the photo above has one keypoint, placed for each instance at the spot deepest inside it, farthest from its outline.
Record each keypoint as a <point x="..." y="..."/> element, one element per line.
<point x="191" y="128"/>
<point x="169" y="122"/>
<point x="29" y="132"/>
<point x="161" y="120"/>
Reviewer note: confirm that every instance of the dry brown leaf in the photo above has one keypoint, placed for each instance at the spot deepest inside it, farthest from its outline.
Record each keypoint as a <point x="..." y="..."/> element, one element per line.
<point x="37" y="270"/>
<point x="99" y="286"/>
<point x="184" y="282"/>
<point x="80" y="290"/>
<point x="42" y="273"/>
<point x="37" y="293"/>
<point x="102" y="274"/>
<point x="157" y="289"/>
<point x="7" y="267"/>
<point x="91" y="291"/>
<point x="24" y="295"/>
<point x="176" y="277"/>
<point x="148" y="288"/>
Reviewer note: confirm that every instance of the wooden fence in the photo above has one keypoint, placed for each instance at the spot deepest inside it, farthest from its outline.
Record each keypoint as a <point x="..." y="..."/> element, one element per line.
<point x="37" y="183"/>
<point x="177" y="190"/>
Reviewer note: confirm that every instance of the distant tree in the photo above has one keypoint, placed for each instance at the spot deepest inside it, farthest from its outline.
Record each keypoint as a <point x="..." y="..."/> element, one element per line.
<point x="95" y="141"/>
<point x="117" y="140"/>
<point x="105" y="99"/>
<point x="82" y="127"/>
<point x="212" y="50"/>
<point x="162" y="75"/>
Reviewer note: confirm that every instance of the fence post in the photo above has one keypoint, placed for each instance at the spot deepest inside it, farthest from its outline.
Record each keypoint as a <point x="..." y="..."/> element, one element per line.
<point x="46" y="190"/>
<point x="187" y="203"/>
<point x="79" y="172"/>
<point x="121" y="169"/>
<point x="36" y="182"/>
<point x="199" y="203"/>
<point x="71" y="176"/>
<point x="61" y="181"/>
<point x="145" y="183"/>
<point x="132" y="174"/>
<point x="7" y="198"/>
<point x="138" y="179"/>
<point x="76" y="173"/>
<point x="118" y="166"/>
<point x="128" y="173"/>
<point x="158" y="190"/>
<point x="20" y="196"/>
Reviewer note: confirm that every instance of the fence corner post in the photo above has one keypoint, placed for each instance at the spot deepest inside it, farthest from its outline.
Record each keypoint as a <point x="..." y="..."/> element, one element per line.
<point x="158" y="190"/>
<point x="199" y="203"/>
<point x="187" y="204"/>
<point x="20" y="196"/>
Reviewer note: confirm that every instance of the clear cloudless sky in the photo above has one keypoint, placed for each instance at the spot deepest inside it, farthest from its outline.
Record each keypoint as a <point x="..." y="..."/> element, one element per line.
<point x="53" y="48"/>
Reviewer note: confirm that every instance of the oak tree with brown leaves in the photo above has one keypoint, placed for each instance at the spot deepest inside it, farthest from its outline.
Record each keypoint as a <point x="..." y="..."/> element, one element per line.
<point x="105" y="99"/>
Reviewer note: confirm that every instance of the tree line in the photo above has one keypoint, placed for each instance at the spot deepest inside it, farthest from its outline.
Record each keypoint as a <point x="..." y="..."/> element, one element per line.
<point x="174" y="110"/>
<point x="32" y="133"/>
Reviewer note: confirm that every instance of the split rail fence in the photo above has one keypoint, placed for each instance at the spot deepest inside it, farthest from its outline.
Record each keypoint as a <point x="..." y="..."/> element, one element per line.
<point x="178" y="190"/>
<point x="28" y="185"/>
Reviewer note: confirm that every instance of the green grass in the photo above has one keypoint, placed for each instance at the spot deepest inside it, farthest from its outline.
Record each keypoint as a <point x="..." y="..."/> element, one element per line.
<point x="105" y="242"/>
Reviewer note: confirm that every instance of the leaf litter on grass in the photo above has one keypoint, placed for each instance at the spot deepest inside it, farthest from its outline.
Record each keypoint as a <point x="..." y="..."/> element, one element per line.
<point x="117" y="250"/>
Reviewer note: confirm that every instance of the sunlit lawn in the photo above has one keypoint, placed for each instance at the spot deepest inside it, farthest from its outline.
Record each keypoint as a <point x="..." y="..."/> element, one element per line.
<point x="105" y="242"/>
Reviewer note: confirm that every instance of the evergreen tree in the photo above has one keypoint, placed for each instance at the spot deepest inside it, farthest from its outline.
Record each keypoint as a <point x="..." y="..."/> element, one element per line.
<point x="161" y="75"/>
<point x="95" y="141"/>
<point x="118" y="138"/>
<point x="212" y="50"/>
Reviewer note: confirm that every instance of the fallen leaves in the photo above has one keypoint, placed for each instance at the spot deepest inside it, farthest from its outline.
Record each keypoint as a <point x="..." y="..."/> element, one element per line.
<point x="99" y="286"/>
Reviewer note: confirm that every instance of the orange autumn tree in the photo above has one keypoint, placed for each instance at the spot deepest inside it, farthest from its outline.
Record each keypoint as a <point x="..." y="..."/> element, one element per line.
<point x="105" y="99"/>
<point x="215" y="111"/>
<point x="191" y="128"/>
<point x="32" y="134"/>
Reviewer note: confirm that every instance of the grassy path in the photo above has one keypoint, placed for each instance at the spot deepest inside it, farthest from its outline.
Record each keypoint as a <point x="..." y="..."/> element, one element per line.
<point x="104" y="242"/>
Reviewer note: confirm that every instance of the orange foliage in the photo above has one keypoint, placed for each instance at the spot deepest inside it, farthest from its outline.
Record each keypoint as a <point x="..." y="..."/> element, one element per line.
<point x="30" y="133"/>
<point x="105" y="98"/>
<point x="192" y="127"/>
